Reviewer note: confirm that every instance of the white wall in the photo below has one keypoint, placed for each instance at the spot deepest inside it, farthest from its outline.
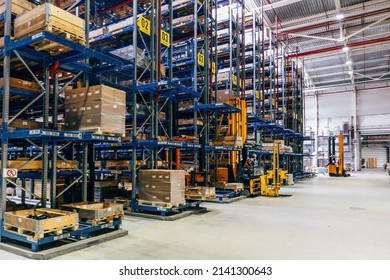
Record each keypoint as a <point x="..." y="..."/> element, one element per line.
<point x="373" y="109"/>
<point x="336" y="108"/>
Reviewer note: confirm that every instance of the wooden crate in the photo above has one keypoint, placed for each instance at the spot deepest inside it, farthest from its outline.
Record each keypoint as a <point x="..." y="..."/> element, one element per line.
<point x="22" y="85"/>
<point x="200" y="193"/>
<point x="50" y="18"/>
<point x="22" y="222"/>
<point x="17" y="7"/>
<point x="118" y="165"/>
<point x="24" y="124"/>
<point x="96" y="212"/>
<point x="119" y="200"/>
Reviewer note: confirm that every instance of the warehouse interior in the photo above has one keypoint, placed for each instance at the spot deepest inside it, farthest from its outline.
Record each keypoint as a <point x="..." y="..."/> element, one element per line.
<point x="208" y="129"/>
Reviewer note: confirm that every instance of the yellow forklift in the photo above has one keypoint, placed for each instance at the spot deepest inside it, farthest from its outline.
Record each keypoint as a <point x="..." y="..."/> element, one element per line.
<point x="336" y="169"/>
<point x="269" y="184"/>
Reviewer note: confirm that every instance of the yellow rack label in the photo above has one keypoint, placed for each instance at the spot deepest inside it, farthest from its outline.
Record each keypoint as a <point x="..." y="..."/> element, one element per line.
<point x="234" y="79"/>
<point x="200" y="59"/>
<point x="165" y="38"/>
<point x="213" y="68"/>
<point x="144" y="25"/>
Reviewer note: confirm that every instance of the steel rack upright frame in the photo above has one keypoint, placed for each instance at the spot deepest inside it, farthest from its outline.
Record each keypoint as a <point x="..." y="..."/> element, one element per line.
<point x="48" y="138"/>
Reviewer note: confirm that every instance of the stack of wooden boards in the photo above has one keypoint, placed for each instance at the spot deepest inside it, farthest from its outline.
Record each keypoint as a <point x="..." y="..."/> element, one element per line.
<point x="99" y="109"/>
<point x="162" y="188"/>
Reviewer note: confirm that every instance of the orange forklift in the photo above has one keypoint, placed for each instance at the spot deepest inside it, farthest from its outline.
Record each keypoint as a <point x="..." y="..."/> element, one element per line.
<point x="336" y="169"/>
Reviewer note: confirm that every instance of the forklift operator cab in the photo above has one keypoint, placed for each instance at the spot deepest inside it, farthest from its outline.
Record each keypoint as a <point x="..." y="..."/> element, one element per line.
<point x="333" y="169"/>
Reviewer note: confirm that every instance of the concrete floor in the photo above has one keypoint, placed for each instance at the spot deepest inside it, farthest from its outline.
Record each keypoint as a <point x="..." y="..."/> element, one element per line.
<point x="319" y="218"/>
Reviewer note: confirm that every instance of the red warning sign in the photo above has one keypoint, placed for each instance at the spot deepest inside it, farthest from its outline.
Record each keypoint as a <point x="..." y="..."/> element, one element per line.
<point x="10" y="173"/>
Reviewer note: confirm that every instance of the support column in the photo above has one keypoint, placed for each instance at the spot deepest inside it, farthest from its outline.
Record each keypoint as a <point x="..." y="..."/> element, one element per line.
<point x="317" y="127"/>
<point x="84" y="190"/>
<point x="356" y="136"/>
<point x="134" y="129"/>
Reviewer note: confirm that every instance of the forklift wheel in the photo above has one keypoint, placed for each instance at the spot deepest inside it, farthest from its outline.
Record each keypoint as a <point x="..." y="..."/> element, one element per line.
<point x="245" y="193"/>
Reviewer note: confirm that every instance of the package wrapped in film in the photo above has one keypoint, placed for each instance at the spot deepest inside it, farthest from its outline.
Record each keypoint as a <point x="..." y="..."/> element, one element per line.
<point x="97" y="108"/>
<point x="162" y="186"/>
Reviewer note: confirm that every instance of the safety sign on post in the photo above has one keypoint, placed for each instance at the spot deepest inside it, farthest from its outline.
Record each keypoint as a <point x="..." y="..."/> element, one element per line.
<point x="10" y="173"/>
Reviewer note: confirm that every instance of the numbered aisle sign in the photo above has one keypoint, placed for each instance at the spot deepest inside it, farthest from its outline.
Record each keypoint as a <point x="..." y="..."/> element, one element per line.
<point x="165" y="38"/>
<point x="200" y="59"/>
<point x="144" y="25"/>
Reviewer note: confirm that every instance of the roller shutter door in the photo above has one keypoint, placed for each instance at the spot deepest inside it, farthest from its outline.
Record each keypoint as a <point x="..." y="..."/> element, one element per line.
<point x="373" y="151"/>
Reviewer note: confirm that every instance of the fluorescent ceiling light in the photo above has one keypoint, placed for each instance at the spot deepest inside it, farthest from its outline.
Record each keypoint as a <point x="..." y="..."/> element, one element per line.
<point x="345" y="49"/>
<point x="339" y="16"/>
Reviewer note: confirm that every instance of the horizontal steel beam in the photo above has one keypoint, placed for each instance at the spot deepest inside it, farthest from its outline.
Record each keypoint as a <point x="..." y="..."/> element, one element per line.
<point x="339" y="48"/>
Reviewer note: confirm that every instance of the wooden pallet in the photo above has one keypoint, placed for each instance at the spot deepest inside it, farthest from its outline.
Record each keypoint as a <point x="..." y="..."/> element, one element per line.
<point x="199" y="197"/>
<point x="98" y="130"/>
<point x="19" y="222"/>
<point x="108" y="219"/>
<point x="157" y="204"/>
<point x="55" y="48"/>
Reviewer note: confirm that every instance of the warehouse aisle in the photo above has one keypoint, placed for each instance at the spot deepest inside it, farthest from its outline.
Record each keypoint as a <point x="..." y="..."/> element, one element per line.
<point x="320" y="218"/>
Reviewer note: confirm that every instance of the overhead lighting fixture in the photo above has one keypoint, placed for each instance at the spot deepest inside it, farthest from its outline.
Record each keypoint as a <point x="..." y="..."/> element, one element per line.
<point x="339" y="16"/>
<point x="348" y="62"/>
<point x="345" y="49"/>
<point x="350" y="73"/>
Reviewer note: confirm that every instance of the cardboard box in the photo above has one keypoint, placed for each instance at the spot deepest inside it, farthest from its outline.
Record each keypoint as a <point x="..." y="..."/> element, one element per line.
<point x="166" y="186"/>
<point x="98" y="108"/>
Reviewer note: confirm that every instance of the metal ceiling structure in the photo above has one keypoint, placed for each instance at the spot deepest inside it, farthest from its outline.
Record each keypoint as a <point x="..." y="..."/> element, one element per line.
<point x="317" y="31"/>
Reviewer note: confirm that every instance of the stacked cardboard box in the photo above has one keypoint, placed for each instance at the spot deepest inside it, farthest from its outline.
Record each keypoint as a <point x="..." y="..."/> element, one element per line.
<point x="162" y="186"/>
<point x="97" y="108"/>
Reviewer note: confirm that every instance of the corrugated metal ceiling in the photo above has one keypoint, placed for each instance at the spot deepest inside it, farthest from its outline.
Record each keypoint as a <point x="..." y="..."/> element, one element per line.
<point x="370" y="51"/>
